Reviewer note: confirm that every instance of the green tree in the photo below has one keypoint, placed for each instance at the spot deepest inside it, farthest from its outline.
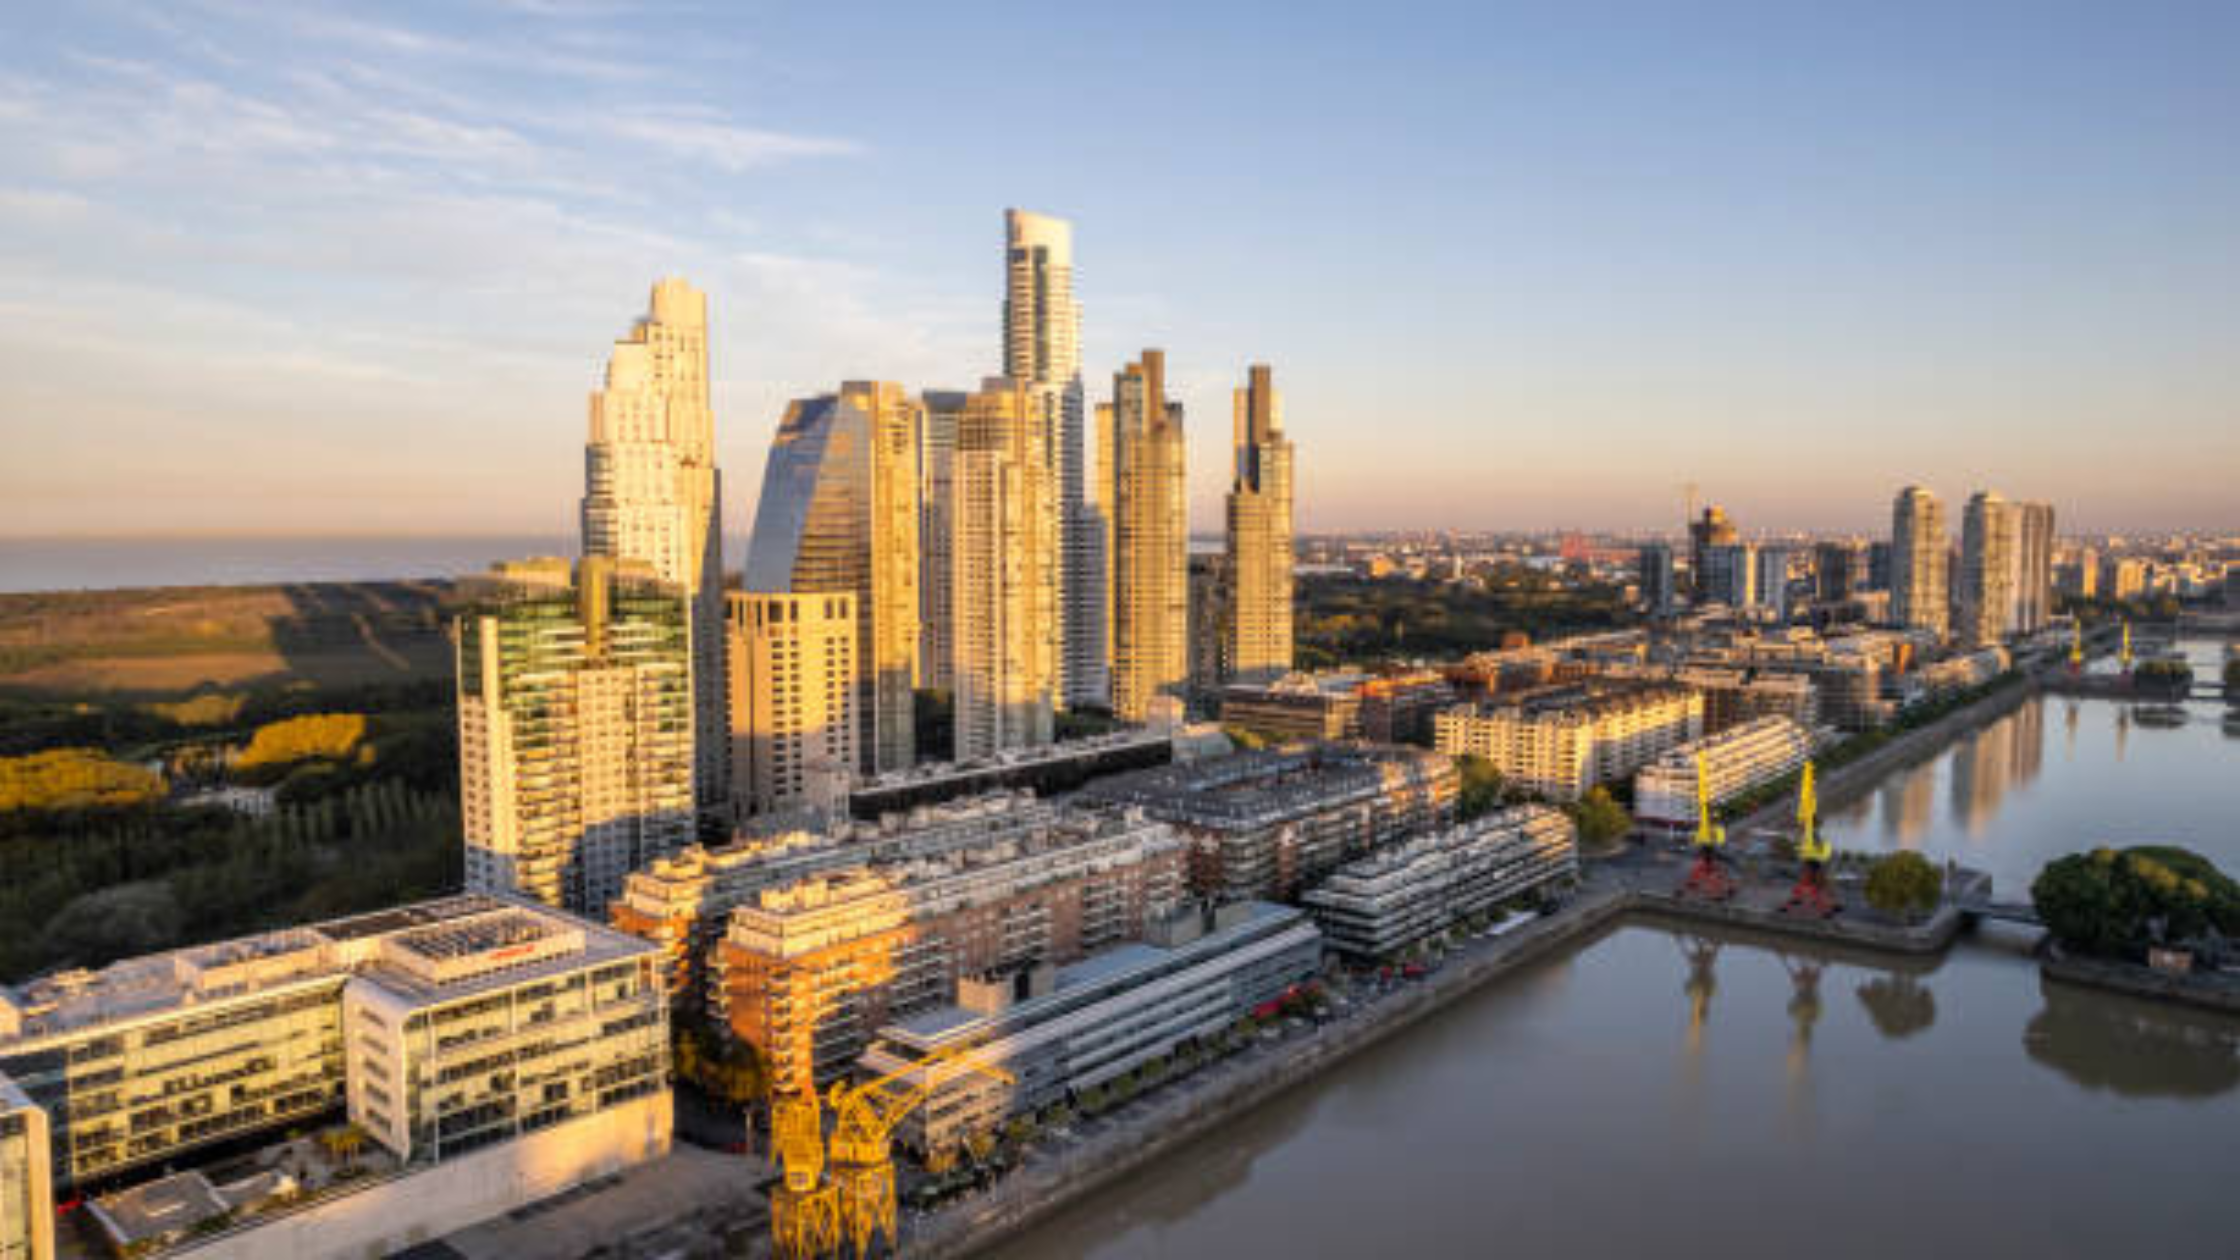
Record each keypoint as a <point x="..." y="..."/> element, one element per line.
<point x="1601" y="820"/>
<point x="1481" y="787"/>
<point x="2116" y="903"/>
<point x="1904" y="884"/>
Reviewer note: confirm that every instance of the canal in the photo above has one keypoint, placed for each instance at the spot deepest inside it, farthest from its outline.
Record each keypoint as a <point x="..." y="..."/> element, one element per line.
<point x="1658" y="1090"/>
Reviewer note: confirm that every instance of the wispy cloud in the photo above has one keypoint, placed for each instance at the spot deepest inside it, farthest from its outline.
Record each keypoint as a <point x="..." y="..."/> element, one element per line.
<point x="698" y="138"/>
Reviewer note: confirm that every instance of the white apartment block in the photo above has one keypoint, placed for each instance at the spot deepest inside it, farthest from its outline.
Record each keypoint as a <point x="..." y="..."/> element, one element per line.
<point x="793" y="681"/>
<point x="1562" y="741"/>
<point x="1735" y="761"/>
<point x="1376" y="906"/>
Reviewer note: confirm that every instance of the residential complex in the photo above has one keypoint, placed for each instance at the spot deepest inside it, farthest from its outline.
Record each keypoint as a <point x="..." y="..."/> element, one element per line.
<point x="1004" y="577"/>
<point x="1062" y="1031"/>
<point x="1399" y="708"/>
<point x="1265" y="824"/>
<point x="1374" y="907"/>
<point x="470" y="1028"/>
<point x="807" y="970"/>
<point x="1042" y="353"/>
<point x="1563" y="740"/>
<point x="1257" y="634"/>
<point x="1296" y="706"/>
<point x="839" y="515"/>
<point x="794" y="723"/>
<point x="1046" y="770"/>
<point x="1734" y="761"/>
<point x="1918" y="562"/>
<point x="1150" y="539"/>
<point x="652" y="492"/>
<point x="575" y="729"/>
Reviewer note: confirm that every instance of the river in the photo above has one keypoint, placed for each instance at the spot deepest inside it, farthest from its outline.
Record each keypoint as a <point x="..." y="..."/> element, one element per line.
<point x="1655" y="1091"/>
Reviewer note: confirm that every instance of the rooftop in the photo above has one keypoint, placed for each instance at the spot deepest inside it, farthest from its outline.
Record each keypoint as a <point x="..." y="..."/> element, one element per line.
<point x="1253" y="788"/>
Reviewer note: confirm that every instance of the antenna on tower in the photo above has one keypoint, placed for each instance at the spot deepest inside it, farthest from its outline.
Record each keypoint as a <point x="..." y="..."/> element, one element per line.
<point x="1688" y="515"/>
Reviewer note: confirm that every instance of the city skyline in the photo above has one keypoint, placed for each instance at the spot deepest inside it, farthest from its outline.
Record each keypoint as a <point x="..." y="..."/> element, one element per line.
<point x="1764" y="240"/>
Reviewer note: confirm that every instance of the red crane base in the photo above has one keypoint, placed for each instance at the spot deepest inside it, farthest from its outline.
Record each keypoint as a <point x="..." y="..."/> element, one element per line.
<point x="1811" y="898"/>
<point x="1708" y="878"/>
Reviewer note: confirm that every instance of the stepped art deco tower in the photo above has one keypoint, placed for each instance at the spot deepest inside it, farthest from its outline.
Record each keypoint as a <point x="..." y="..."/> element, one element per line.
<point x="1042" y="352"/>
<point x="839" y="515"/>
<point x="1150" y="540"/>
<point x="1257" y="641"/>
<point x="1918" y="562"/>
<point x="652" y="493"/>
<point x="1004" y="580"/>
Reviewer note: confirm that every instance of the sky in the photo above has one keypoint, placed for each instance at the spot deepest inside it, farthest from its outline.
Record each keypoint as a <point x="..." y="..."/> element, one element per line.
<point x="327" y="268"/>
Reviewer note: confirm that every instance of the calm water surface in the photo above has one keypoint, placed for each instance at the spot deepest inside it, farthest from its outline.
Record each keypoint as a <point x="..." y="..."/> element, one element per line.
<point x="1657" y="1093"/>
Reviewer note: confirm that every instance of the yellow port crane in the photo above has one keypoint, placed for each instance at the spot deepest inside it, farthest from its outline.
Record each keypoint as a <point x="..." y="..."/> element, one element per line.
<point x="1812" y="896"/>
<point x="844" y="1187"/>
<point x="1708" y="877"/>
<point x="2123" y="657"/>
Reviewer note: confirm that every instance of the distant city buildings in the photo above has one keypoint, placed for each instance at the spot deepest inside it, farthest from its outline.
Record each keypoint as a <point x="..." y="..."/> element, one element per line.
<point x="839" y="515"/>
<point x="1918" y="562"/>
<point x="1258" y="635"/>
<point x="1150" y="540"/>
<point x="652" y="493"/>
<point x="1729" y="575"/>
<point x="1713" y="529"/>
<point x="1659" y="579"/>
<point x="575" y="729"/>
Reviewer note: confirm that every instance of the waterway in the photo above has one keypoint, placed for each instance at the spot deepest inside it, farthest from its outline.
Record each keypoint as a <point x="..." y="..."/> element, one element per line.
<point x="1660" y="1092"/>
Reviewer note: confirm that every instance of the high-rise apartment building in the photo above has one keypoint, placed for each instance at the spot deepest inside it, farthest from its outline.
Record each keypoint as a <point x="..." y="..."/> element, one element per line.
<point x="839" y="515"/>
<point x="793" y="700"/>
<point x="1839" y="571"/>
<point x="1919" y="561"/>
<point x="652" y="492"/>
<point x="1210" y="590"/>
<point x="1042" y="352"/>
<point x="1990" y="569"/>
<point x="1659" y="583"/>
<point x="1713" y="529"/>
<point x="937" y="448"/>
<point x="1727" y="573"/>
<point x="575" y="729"/>
<point x="1004" y="575"/>
<point x="1775" y="562"/>
<point x="1150" y="540"/>
<point x="2034" y="564"/>
<point x="1259" y="535"/>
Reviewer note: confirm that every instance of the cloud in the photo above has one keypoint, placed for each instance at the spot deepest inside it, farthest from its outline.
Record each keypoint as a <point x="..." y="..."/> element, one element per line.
<point x="724" y="145"/>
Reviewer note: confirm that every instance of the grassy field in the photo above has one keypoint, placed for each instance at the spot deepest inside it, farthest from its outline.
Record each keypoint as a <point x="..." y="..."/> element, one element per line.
<point x="171" y="641"/>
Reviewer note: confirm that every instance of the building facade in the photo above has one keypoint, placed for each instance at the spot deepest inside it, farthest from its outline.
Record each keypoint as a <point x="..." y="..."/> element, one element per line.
<point x="576" y="729"/>
<point x="1563" y="741"/>
<point x="652" y="493"/>
<point x="1296" y="707"/>
<point x="806" y="971"/>
<point x="1990" y="570"/>
<point x="1266" y="824"/>
<point x="1042" y="353"/>
<point x="1067" y="1030"/>
<point x="26" y="1172"/>
<point x="2033" y="592"/>
<point x="1919" y="563"/>
<point x="1735" y="761"/>
<point x="1659" y="579"/>
<point x="1257" y="632"/>
<point x="1712" y="529"/>
<point x="1150" y="540"/>
<point x="1004" y="578"/>
<point x="937" y="448"/>
<point x="839" y="515"/>
<point x="794" y="723"/>
<point x="1374" y="907"/>
<point x="1729" y="575"/>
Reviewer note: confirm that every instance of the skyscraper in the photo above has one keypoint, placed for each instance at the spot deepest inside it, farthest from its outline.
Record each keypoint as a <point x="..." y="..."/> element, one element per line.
<point x="1713" y="530"/>
<point x="1660" y="593"/>
<point x="793" y="700"/>
<point x="1839" y="570"/>
<point x="1259" y="534"/>
<point x="1727" y="574"/>
<point x="2034" y="562"/>
<point x="1918" y="561"/>
<point x="1990" y="568"/>
<point x="575" y="731"/>
<point x="1775" y="562"/>
<point x="652" y="493"/>
<point x="1042" y="352"/>
<point x="937" y="446"/>
<point x="1004" y="574"/>
<point x="839" y="514"/>
<point x="1150" y="543"/>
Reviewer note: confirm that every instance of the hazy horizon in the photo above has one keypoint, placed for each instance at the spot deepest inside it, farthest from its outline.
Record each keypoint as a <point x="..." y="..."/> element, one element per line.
<point x="347" y="272"/>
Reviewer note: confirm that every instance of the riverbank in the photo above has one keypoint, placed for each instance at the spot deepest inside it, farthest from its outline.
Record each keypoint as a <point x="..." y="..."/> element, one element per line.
<point x="2207" y="992"/>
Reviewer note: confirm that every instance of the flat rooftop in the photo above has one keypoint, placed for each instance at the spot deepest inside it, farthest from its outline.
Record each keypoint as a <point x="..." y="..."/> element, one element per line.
<point x="1251" y="788"/>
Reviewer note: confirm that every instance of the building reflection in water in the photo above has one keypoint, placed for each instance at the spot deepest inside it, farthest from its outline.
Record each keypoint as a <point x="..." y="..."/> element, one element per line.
<point x="2003" y="757"/>
<point x="1804" y="1015"/>
<point x="1907" y="802"/>
<point x="2132" y="1048"/>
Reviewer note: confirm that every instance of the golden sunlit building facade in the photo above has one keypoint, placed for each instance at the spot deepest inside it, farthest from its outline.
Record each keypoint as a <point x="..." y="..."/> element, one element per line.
<point x="1258" y="609"/>
<point x="793" y="681"/>
<point x="1004" y="576"/>
<point x="1150" y="540"/>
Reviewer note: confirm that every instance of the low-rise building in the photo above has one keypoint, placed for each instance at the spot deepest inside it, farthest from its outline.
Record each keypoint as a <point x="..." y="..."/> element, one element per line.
<point x="1562" y="741"/>
<point x="1047" y="770"/>
<point x="1059" y="1034"/>
<point x="1265" y="824"/>
<point x="806" y="971"/>
<point x="439" y="1028"/>
<point x="1398" y="708"/>
<point x="1735" y="761"/>
<point x="1296" y="706"/>
<point x="1376" y="906"/>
